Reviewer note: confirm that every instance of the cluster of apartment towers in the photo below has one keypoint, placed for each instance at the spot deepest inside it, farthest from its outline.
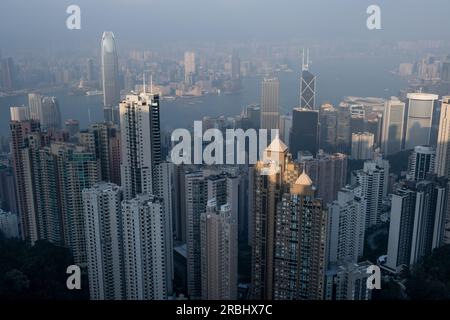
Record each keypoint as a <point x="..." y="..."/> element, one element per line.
<point x="144" y="228"/>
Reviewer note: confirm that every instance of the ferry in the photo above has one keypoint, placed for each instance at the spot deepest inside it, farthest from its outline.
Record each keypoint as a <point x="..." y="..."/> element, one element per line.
<point x="94" y="93"/>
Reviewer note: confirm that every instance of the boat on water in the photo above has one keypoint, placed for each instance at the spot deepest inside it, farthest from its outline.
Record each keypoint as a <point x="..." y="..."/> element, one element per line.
<point x="94" y="93"/>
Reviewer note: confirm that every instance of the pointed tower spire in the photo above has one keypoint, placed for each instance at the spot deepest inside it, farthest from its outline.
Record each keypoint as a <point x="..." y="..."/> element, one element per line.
<point x="151" y="83"/>
<point x="304" y="179"/>
<point x="305" y="60"/>
<point x="143" y="89"/>
<point x="303" y="185"/>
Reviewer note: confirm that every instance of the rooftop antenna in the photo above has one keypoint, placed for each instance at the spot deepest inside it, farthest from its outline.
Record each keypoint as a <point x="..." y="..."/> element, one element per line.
<point x="303" y="59"/>
<point x="151" y="83"/>
<point x="305" y="63"/>
<point x="307" y="58"/>
<point x="143" y="90"/>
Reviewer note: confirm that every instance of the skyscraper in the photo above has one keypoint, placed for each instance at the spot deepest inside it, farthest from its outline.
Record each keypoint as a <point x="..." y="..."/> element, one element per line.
<point x="235" y="65"/>
<point x="285" y="128"/>
<point x="19" y="132"/>
<point x="141" y="144"/>
<point x="372" y="182"/>
<point x="328" y="127"/>
<point x="44" y="182"/>
<point x="142" y="171"/>
<point x="50" y="115"/>
<point x="362" y="145"/>
<point x="357" y="118"/>
<point x="144" y="243"/>
<point x="307" y="85"/>
<point x="343" y="131"/>
<point x="300" y="244"/>
<point x="373" y="123"/>
<point x="442" y="167"/>
<point x="110" y="76"/>
<point x="196" y="194"/>
<point x="79" y="169"/>
<point x="190" y="68"/>
<point x="72" y="127"/>
<point x="346" y="227"/>
<point x="419" y="119"/>
<point x="392" y="137"/>
<point x="104" y="241"/>
<point x="103" y="139"/>
<point x="219" y="252"/>
<point x="445" y="77"/>
<point x="8" y="74"/>
<point x="8" y="196"/>
<point x="179" y="201"/>
<point x="35" y="105"/>
<point x="200" y="187"/>
<point x="348" y="281"/>
<point x="421" y="163"/>
<point x="417" y="221"/>
<point x="304" y="132"/>
<point x="90" y="73"/>
<point x="20" y="113"/>
<point x="328" y="173"/>
<point x="272" y="177"/>
<point x="270" y="104"/>
<point x="253" y="113"/>
<point x="52" y="176"/>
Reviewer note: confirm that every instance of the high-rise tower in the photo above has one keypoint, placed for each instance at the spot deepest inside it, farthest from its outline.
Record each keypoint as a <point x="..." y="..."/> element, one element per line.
<point x="110" y="76"/>
<point x="416" y="224"/>
<point x="304" y="132"/>
<point x="104" y="241"/>
<point x="442" y="166"/>
<point x="140" y="144"/>
<point x="271" y="178"/>
<point x="420" y="117"/>
<point x="300" y="244"/>
<point x="270" y="104"/>
<point x="393" y="124"/>
<point x="307" y="85"/>
<point x="19" y="132"/>
<point x="219" y="252"/>
<point x="190" y="68"/>
<point x="144" y="243"/>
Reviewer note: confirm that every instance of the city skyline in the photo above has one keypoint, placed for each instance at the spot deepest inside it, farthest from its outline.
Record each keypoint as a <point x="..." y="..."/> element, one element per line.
<point x="223" y="170"/>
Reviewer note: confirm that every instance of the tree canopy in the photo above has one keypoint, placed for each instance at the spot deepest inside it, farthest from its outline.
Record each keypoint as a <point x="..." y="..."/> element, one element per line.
<point x="35" y="272"/>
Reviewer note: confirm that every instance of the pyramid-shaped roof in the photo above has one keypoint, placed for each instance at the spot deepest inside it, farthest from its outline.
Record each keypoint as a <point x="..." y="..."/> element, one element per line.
<point x="304" y="180"/>
<point x="277" y="145"/>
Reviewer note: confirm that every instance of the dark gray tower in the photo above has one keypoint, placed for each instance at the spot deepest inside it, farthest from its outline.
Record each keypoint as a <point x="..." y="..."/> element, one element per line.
<point x="304" y="131"/>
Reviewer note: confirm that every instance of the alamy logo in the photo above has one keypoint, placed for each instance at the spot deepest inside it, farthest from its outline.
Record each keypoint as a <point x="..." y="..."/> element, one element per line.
<point x="374" y="20"/>
<point x="74" y="20"/>
<point x="374" y="280"/>
<point x="74" y="280"/>
<point x="237" y="147"/>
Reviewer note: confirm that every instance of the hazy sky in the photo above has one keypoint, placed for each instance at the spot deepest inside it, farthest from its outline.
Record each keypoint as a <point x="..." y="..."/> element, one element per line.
<point x="31" y="24"/>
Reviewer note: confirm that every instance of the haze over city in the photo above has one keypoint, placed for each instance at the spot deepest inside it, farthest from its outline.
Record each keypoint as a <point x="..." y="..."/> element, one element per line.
<point x="222" y="150"/>
<point x="145" y="23"/>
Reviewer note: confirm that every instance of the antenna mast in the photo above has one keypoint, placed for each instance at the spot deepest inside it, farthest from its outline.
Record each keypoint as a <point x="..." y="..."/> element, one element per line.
<point x="305" y="62"/>
<point x="143" y="89"/>
<point x="151" y="83"/>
